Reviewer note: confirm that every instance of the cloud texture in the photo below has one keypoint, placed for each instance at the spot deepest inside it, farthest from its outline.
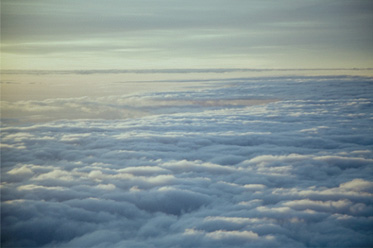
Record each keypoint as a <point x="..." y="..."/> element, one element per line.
<point x="295" y="171"/>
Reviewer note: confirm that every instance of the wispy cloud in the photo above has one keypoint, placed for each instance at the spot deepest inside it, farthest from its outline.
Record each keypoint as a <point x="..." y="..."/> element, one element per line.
<point x="197" y="33"/>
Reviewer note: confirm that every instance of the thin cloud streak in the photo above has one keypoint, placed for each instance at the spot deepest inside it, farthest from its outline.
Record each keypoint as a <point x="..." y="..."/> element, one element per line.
<point x="194" y="33"/>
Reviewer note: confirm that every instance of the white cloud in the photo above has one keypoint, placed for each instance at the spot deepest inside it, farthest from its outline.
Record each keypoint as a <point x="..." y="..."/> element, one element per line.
<point x="23" y="170"/>
<point x="232" y="234"/>
<point x="198" y="176"/>
<point x="358" y="185"/>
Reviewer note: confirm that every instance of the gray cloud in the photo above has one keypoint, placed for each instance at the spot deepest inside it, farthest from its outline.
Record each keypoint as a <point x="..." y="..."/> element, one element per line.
<point x="295" y="172"/>
<point x="182" y="100"/>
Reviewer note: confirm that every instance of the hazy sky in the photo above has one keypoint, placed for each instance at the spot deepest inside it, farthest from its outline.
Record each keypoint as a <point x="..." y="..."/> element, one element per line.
<point x="113" y="34"/>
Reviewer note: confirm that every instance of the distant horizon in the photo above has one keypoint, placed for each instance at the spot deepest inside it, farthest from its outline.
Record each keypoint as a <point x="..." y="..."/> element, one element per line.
<point x="178" y="70"/>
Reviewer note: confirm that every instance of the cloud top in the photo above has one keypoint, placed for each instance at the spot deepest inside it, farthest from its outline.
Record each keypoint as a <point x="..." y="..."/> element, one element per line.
<point x="295" y="172"/>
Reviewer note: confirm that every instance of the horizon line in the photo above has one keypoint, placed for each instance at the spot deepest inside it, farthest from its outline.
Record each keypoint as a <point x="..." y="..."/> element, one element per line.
<point x="170" y="70"/>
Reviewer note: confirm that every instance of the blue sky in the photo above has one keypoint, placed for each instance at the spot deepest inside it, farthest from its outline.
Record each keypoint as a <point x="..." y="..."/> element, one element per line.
<point x="114" y="34"/>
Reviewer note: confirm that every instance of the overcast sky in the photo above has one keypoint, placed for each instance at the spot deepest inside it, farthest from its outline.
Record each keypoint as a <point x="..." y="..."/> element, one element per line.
<point x="82" y="34"/>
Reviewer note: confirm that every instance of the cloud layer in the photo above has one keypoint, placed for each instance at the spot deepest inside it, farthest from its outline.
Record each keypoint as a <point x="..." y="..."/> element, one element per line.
<point x="294" y="172"/>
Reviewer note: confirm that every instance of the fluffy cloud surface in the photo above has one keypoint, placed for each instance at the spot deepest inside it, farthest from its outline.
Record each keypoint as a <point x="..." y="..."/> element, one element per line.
<point x="260" y="162"/>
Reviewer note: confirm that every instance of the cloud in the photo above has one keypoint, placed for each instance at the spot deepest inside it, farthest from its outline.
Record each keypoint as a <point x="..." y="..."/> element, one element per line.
<point x="295" y="172"/>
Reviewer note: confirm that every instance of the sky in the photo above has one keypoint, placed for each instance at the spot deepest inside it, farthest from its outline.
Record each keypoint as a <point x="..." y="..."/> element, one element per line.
<point x="209" y="123"/>
<point x="129" y="34"/>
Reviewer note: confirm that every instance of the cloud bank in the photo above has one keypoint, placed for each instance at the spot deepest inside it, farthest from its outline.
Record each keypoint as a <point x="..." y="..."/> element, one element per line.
<point x="292" y="172"/>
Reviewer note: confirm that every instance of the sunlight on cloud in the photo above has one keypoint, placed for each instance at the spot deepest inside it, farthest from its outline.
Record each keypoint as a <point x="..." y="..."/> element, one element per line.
<point x="202" y="167"/>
